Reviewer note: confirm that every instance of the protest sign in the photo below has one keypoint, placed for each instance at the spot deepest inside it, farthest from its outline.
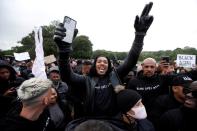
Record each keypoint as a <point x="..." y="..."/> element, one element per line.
<point x="21" y="56"/>
<point x="49" y="59"/>
<point x="187" y="61"/>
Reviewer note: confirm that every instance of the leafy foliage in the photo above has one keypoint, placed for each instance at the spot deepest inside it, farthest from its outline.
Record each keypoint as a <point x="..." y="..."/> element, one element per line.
<point x="82" y="48"/>
<point x="28" y="42"/>
<point x="110" y="54"/>
<point x="171" y="53"/>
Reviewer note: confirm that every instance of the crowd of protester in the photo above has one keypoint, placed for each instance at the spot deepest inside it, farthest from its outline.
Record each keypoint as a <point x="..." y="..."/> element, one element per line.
<point x="99" y="94"/>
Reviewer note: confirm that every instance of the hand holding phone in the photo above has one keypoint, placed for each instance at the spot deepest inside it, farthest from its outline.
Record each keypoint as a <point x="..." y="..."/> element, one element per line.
<point x="10" y="91"/>
<point x="69" y="25"/>
<point x="64" y="34"/>
<point x="165" y="58"/>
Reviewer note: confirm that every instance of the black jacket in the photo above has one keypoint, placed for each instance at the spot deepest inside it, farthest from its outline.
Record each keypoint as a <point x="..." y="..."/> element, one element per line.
<point x="85" y="85"/>
<point x="162" y="104"/>
<point x="180" y="119"/>
<point x="115" y="124"/>
<point x="7" y="84"/>
<point x="150" y="87"/>
<point x="17" y="123"/>
<point x="145" y="125"/>
<point x="138" y="125"/>
<point x="12" y="82"/>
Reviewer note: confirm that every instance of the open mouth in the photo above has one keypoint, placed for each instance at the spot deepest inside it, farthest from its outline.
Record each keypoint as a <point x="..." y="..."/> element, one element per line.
<point x="189" y="102"/>
<point x="101" y="69"/>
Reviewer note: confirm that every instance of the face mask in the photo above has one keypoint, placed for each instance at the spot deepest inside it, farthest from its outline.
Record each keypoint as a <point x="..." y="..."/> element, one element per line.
<point x="56" y="82"/>
<point x="140" y="112"/>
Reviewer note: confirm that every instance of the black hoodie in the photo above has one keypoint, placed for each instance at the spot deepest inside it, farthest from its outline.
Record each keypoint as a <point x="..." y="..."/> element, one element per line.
<point x="84" y="86"/>
<point x="18" y="123"/>
<point x="150" y="87"/>
<point x="5" y="85"/>
<point x="180" y="119"/>
<point x="115" y="124"/>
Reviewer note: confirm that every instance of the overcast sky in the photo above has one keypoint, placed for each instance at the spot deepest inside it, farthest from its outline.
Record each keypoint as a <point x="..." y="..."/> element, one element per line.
<point x="108" y="23"/>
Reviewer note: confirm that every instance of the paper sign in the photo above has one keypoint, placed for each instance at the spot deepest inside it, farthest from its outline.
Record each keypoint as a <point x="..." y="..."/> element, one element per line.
<point x="49" y="59"/>
<point x="21" y="56"/>
<point x="187" y="61"/>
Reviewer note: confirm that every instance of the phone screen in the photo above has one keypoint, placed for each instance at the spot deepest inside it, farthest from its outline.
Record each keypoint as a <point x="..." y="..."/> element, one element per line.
<point x="166" y="58"/>
<point x="69" y="25"/>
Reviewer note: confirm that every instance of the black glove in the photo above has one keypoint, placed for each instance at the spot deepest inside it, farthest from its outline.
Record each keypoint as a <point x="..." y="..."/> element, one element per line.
<point x="58" y="37"/>
<point x="143" y="23"/>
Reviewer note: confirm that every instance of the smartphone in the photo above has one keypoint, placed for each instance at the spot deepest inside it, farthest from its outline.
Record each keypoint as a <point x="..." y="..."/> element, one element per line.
<point x="69" y="25"/>
<point x="166" y="58"/>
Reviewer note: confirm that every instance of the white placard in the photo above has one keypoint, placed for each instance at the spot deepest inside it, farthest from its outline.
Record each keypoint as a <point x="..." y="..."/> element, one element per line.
<point x="187" y="61"/>
<point x="49" y="59"/>
<point x="21" y="56"/>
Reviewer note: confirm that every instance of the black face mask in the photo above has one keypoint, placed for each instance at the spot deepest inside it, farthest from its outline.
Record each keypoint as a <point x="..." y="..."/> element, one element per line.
<point x="56" y="82"/>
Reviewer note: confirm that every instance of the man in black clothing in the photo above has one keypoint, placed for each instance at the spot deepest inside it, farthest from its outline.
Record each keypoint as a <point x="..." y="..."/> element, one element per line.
<point x="96" y="90"/>
<point x="183" y="118"/>
<point x="35" y="95"/>
<point x="149" y="84"/>
<point x="173" y="100"/>
<point x="133" y="111"/>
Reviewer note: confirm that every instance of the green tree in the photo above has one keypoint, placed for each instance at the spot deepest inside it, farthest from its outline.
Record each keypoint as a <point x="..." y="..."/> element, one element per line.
<point x="48" y="42"/>
<point x="110" y="54"/>
<point x="82" y="48"/>
<point x="101" y="52"/>
<point x="121" y="55"/>
<point x="6" y="52"/>
<point x="28" y="45"/>
<point x="28" y="42"/>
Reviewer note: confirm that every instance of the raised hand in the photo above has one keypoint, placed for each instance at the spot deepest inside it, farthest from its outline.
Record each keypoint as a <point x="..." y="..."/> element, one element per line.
<point x="59" y="34"/>
<point x="143" y="22"/>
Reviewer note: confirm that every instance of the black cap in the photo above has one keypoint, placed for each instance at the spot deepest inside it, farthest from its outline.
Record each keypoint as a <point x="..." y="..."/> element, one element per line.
<point x="182" y="80"/>
<point x="126" y="99"/>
